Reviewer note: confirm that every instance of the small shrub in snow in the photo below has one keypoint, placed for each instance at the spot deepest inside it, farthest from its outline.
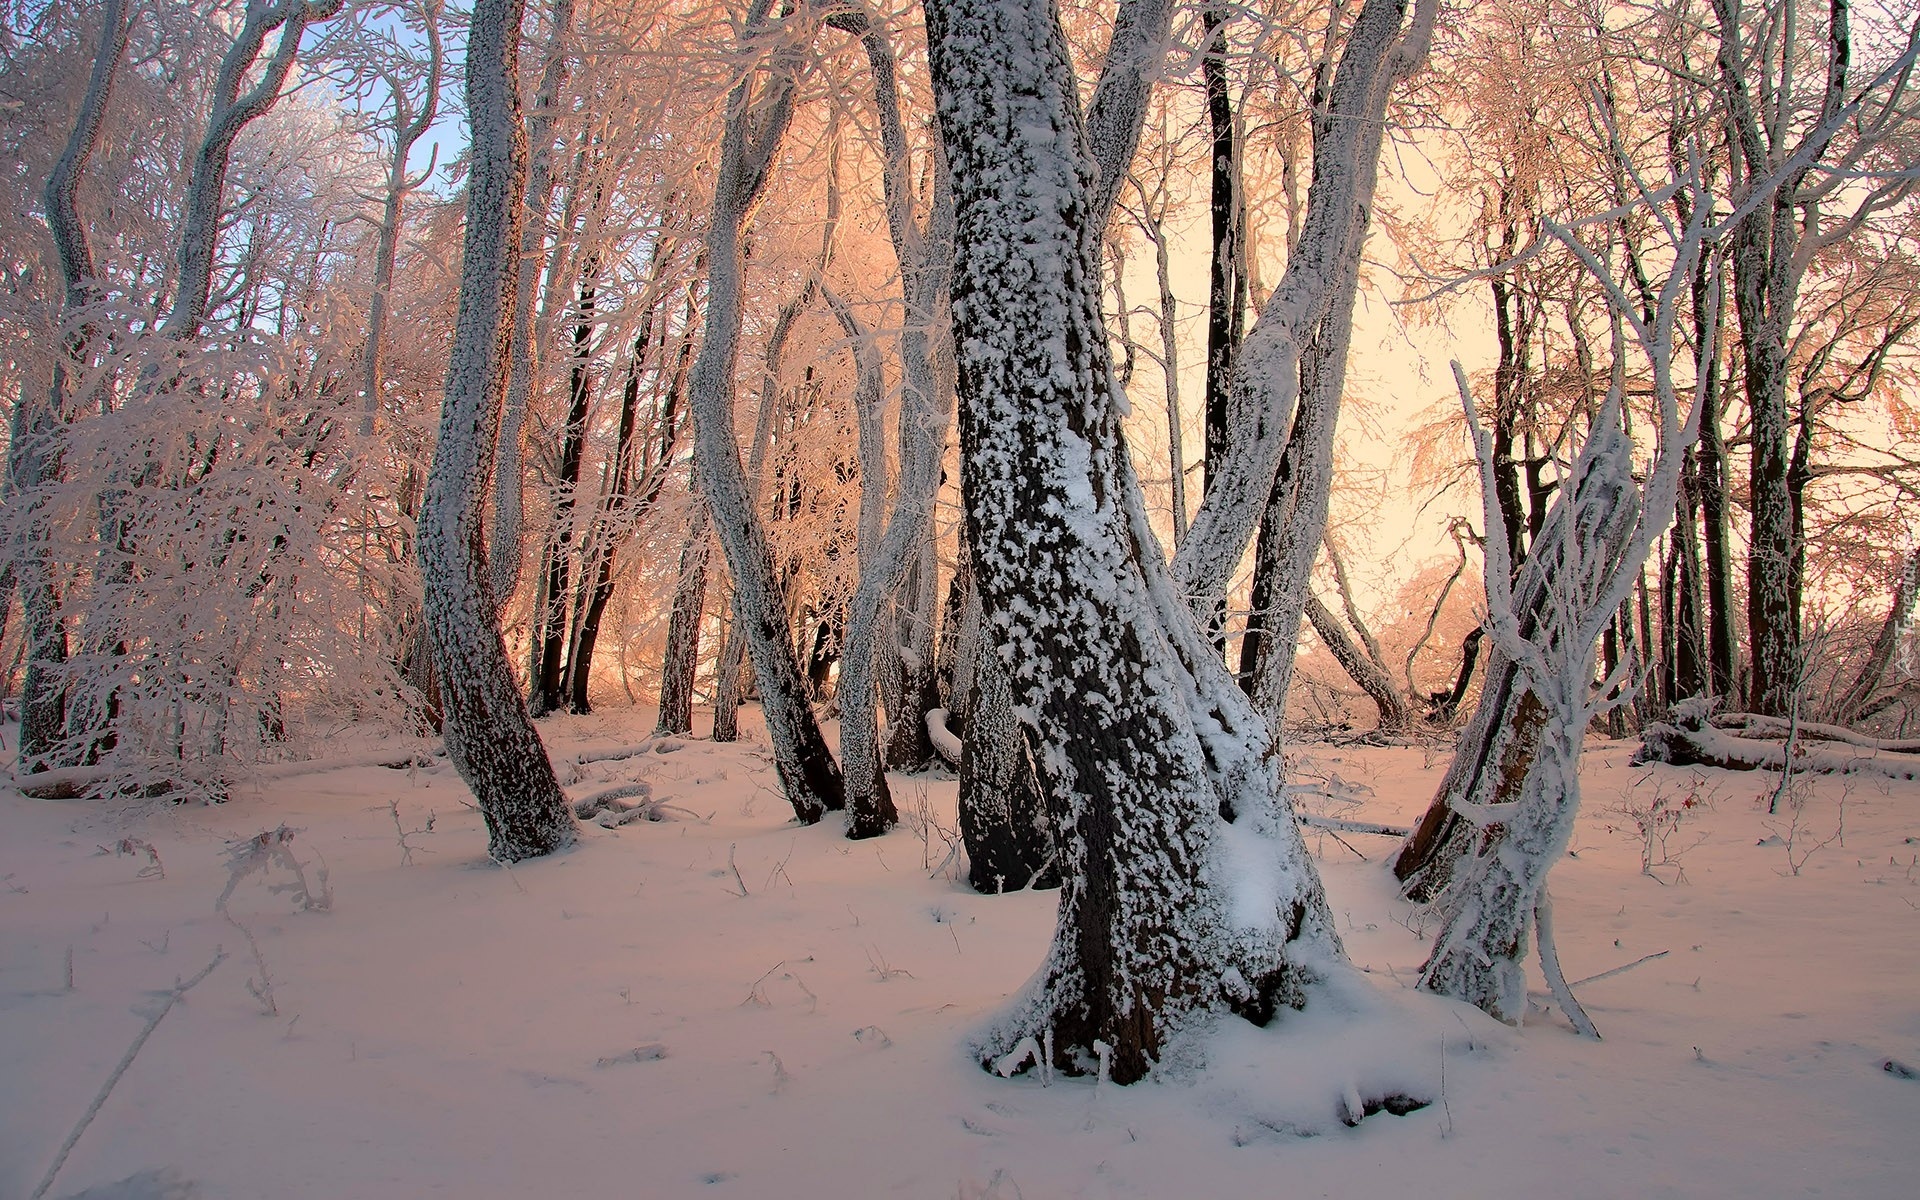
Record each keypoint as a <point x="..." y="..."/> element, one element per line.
<point x="1654" y="822"/>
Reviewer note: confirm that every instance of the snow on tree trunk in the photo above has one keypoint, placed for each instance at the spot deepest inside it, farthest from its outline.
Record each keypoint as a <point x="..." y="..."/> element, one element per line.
<point x="410" y="124"/>
<point x="34" y="449"/>
<point x="1370" y="675"/>
<point x="509" y="470"/>
<point x="1186" y="889"/>
<point x="1382" y="48"/>
<point x="925" y="256"/>
<point x="1002" y="819"/>
<point x="909" y="746"/>
<point x="1588" y="558"/>
<point x="232" y="111"/>
<point x="870" y="808"/>
<point x="1480" y="952"/>
<point x="747" y="151"/>
<point x="490" y="738"/>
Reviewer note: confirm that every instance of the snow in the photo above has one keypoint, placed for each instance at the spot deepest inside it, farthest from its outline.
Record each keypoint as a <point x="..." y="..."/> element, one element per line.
<point x="619" y="1020"/>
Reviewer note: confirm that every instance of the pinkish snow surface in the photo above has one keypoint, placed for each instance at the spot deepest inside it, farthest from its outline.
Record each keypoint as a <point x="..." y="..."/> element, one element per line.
<point x="453" y="1028"/>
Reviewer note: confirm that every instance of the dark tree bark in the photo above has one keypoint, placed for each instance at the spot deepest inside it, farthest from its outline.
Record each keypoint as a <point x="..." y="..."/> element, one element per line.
<point x="683" y="632"/>
<point x="1112" y="666"/>
<point x="1002" y="819"/>
<point x="509" y="479"/>
<point x="1394" y="715"/>
<point x="490" y="738"/>
<point x="548" y="685"/>
<point x="1767" y="270"/>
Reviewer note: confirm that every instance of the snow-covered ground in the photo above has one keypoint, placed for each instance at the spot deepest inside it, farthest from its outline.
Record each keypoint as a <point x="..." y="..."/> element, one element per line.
<point x="622" y="1021"/>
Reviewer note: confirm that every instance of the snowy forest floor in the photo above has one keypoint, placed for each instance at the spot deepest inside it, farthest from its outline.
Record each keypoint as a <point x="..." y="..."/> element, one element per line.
<point x="621" y="1021"/>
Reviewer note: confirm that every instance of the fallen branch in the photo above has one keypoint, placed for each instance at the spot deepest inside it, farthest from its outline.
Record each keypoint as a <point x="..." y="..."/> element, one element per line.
<point x="616" y="754"/>
<point x="1338" y="825"/>
<point x="1757" y="726"/>
<point x="609" y="807"/>
<point x="1709" y="747"/>
<point x="1644" y="958"/>
<point x="173" y="996"/>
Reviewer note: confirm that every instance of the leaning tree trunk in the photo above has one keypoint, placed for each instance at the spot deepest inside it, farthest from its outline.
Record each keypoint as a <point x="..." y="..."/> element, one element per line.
<point x="1495" y="749"/>
<point x="1395" y="716"/>
<point x="490" y="738"/>
<point x="1159" y="778"/>
<point x="747" y="152"/>
<point x="1906" y="595"/>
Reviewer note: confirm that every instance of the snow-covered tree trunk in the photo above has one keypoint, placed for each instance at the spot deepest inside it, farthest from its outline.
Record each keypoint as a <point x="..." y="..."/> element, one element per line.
<point x="490" y="738"/>
<point x="1003" y="821"/>
<point x="1588" y="559"/>
<point x="682" y="654"/>
<point x="909" y="747"/>
<point x="1394" y="716"/>
<point x="34" y="450"/>
<point x="1295" y="521"/>
<point x="925" y="253"/>
<point x="509" y="470"/>
<point x="755" y="125"/>
<point x="1185" y="887"/>
<point x="1523" y="827"/>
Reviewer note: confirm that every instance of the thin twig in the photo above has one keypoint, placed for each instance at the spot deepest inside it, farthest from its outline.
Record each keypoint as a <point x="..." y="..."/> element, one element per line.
<point x="1645" y="958"/>
<point x="173" y="995"/>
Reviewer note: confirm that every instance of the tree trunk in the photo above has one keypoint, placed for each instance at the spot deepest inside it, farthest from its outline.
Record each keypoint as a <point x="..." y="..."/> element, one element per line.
<point x="909" y="746"/>
<point x="1500" y="741"/>
<point x="924" y="251"/>
<point x="1151" y="764"/>
<point x="409" y="126"/>
<point x="34" y="446"/>
<point x="490" y="738"/>
<point x="1002" y="819"/>
<point x="548" y="685"/>
<point x="232" y="112"/>
<point x="683" y="632"/>
<point x="1373" y="679"/>
<point x="509" y="471"/>
<point x="748" y="149"/>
